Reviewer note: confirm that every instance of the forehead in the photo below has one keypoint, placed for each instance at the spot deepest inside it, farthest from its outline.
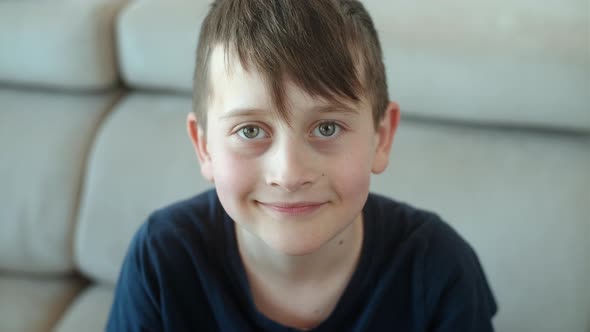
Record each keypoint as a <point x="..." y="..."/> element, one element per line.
<point x="230" y="83"/>
<point x="232" y="87"/>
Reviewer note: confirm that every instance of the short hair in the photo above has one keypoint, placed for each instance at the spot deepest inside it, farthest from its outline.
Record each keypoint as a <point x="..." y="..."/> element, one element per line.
<point x="327" y="48"/>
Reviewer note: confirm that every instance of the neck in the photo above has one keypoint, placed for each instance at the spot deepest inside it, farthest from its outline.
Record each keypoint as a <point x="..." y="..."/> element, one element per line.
<point x="338" y="256"/>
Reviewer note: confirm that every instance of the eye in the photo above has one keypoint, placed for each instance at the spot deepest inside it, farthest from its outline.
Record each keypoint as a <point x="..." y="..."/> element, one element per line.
<point x="326" y="129"/>
<point x="251" y="133"/>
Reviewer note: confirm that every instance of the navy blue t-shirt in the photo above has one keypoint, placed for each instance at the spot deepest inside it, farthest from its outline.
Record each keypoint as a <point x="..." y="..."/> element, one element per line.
<point x="183" y="272"/>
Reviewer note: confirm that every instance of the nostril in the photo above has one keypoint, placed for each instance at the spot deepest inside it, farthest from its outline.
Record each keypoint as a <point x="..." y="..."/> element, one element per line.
<point x="290" y="184"/>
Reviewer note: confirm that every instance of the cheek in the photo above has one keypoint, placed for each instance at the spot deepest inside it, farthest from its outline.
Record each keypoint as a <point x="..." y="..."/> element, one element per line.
<point x="353" y="180"/>
<point x="351" y="175"/>
<point x="234" y="175"/>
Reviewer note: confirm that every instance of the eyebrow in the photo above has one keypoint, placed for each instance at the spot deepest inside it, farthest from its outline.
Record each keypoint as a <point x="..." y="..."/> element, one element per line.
<point x="240" y="112"/>
<point x="338" y="108"/>
<point x="323" y="109"/>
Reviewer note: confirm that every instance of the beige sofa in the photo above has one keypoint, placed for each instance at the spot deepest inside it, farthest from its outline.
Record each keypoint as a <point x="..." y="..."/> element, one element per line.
<point x="495" y="137"/>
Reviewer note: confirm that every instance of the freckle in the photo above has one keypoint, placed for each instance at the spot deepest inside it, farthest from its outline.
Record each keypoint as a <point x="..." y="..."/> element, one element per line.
<point x="340" y="243"/>
<point x="323" y="174"/>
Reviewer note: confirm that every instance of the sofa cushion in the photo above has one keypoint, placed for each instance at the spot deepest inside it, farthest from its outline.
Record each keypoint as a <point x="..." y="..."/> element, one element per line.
<point x="517" y="65"/>
<point x="89" y="312"/>
<point x="521" y="199"/>
<point x="65" y="44"/>
<point x="44" y="138"/>
<point x="34" y="305"/>
<point x="142" y="159"/>
<point x="489" y="62"/>
<point x="159" y="55"/>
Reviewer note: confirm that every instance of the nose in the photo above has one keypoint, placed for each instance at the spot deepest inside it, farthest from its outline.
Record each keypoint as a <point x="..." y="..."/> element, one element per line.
<point x="291" y="166"/>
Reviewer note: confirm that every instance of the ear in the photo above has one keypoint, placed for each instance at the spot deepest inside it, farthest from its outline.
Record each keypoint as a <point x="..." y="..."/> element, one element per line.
<point x="384" y="137"/>
<point x="199" y="140"/>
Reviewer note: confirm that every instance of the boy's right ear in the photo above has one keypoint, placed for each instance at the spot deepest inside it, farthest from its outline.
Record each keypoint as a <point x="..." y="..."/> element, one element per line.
<point x="199" y="140"/>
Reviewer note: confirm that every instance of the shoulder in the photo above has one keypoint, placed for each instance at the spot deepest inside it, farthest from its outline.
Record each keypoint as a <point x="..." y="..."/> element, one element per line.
<point x="201" y="208"/>
<point x="447" y="269"/>
<point x="193" y="215"/>
<point x="414" y="224"/>
<point x="169" y="251"/>
<point x="189" y="226"/>
<point x="399" y="224"/>
<point x="442" y="247"/>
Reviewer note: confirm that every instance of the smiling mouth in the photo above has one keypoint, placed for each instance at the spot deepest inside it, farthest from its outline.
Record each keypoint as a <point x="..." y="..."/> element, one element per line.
<point x="292" y="209"/>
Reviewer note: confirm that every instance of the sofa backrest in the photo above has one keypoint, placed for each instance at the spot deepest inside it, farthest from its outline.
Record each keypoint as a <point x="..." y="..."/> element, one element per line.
<point x="59" y="44"/>
<point x="141" y="160"/>
<point x="44" y="140"/>
<point x="54" y="57"/>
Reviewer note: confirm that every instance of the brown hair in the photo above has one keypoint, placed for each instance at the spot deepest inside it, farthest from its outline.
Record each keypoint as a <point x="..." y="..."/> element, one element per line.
<point x="328" y="48"/>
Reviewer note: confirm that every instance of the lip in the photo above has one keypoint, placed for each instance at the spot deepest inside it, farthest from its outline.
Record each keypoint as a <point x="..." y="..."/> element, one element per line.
<point x="292" y="209"/>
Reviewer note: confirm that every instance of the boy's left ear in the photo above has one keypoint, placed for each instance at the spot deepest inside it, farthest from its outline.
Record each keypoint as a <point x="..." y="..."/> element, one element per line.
<point x="384" y="136"/>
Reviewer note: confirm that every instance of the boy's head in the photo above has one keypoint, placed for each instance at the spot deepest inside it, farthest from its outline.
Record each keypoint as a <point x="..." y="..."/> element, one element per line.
<point x="292" y="117"/>
<point x="327" y="48"/>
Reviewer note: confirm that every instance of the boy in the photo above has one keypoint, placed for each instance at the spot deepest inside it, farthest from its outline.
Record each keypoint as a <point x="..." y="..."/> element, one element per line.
<point x="291" y="117"/>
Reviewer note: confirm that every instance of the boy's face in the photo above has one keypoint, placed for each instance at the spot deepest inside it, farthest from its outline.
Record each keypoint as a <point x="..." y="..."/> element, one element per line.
<point x="294" y="186"/>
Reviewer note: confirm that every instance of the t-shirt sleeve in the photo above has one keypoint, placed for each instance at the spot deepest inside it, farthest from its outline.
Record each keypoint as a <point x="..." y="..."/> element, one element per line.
<point x="458" y="296"/>
<point x="135" y="305"/>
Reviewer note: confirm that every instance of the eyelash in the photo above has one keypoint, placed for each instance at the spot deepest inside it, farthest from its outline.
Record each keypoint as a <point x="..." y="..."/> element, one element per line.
<point x="337" y="131"/>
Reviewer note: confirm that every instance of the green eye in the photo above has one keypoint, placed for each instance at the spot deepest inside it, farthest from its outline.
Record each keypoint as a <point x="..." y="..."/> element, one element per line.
<point x="249" y="132"/>
<point x="327" y="129"/>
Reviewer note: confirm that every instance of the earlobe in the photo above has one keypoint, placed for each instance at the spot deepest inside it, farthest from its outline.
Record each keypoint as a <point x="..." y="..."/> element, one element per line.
<point x="199" y="141"/>
<point x="385" y="133"/>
